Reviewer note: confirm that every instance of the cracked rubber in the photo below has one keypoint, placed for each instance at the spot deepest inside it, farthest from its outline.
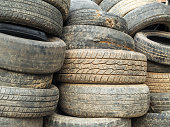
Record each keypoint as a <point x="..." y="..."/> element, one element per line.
<point x="96" y="37"/>
<point x="105" y="101"/>
<point x="30" y="56"/>
<point x="104" y="66"/>
<point x="97" y="18"/>
<point x="28" y="102"/>
<point x="57" y="120"/>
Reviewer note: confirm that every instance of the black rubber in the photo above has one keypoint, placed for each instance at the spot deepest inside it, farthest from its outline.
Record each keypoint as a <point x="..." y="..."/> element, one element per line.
<point x="106" y="5"/>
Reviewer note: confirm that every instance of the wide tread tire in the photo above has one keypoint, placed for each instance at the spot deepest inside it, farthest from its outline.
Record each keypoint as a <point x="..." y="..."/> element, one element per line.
<point x="32" y="13"/>
<point x="28" y="102"/>
<point x="106" y="101"/>
<point x="57" y="120"/>
<point x="31" y="56"/>
<point x="103" y="67"/>
<point x="96" y="37"/>
<point x="97" y="18"/>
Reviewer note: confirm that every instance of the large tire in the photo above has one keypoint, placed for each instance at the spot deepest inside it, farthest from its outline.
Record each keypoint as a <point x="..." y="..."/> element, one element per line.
<point x="125" y="6"/>
<point x="62" y="5"/>
<point x="158" y="82"/>
<point x="96" y="37"/>
<point x="160" y="102"/>
<point x="97" y="18"/>
<point x="30" y="56"/>
<point x="21" y="122"/>
<point x="33" y="13"/>
<point x="152" y="120"/>
<point x="106" y="101"/>
<point x="57" y="120"/>
<point x="27" y="102"/>
<point x="144" y="16"/>
<point x="156" y="50"/>
<point x="14" y="79"/>
<point x="103" y="67"/>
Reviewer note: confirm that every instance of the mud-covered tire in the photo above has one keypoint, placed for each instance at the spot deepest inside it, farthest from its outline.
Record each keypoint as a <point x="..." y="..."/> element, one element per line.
<point x="152" y="120"/>
<point x="33" y="13"/>
<point x="158" y="82"/>
<point x="57" y="120"/>
<point x="103" y="67"/>
<point x="21" y="122"/>
<point x="96" y="37"/>
<point x="144" y="16"/>
<point x="31" y="56"/>
<point x="28" y="102"/>
<point x="106" y="101"/>
<point x="160" y="102"/>
<point x="154" y="50"/>
<point x="106" y="5"/>
<point x="97" y="18"/>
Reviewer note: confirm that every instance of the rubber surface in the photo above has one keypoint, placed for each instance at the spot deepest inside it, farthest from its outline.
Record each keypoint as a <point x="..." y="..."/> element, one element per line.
<point x="106" y="5"/>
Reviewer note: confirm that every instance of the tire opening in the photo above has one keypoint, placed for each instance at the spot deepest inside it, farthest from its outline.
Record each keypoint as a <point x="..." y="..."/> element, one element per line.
<point x="162" y="40"/>
<point x="160" y="27"/>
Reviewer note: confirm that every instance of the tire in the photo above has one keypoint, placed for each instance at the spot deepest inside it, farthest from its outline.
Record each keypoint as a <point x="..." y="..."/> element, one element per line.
<point x="30" y="56"/>
<point x="21" y="122"/>
<point x="160" y="102"/>
<point x="14" y="79"/>
<point x="157" y="68"/>
<point x="106" y="5"/>
<point x="103" y="67"/>
<point x="125" y="6"/>
<point x="28" y="102"/>
<point x="97" y="1"/>
<point x="158" y="82"/>
<point x="96" y="37"/>
<point x="152" y="120"/>
<point x="62" y="5"/>
<point x="57" y="120"/>
<point x="97" y="18"/>
<point x="155" y="50"/>
<point x="144" y="16"/>
<point x="105" y="101"/>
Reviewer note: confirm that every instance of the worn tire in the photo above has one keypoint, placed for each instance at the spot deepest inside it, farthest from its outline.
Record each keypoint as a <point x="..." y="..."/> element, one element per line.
<point x="21" y="122"/>
<point x="87" y="100"/>
<point x="97" y="18"/>
<point x="103" y="67"/>
<point x="96" y="37"/>
<point x="30" y="56"/>
<point x="37" y="14"/>
<point x="57" y="120"/>
<point x="14" y="79"/>
<point x="97" y="1"/>
<point x="158" y="82"/>
<point x="27" y="102"/>
<point x="152" y="120"/>
<point x="154" y="50"/>
<point x="160" y="102"/>
<point x="144" y="16"/>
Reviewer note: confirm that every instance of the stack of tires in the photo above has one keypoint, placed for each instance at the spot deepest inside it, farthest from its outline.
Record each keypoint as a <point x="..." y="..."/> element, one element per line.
<point x="29" y="55"/>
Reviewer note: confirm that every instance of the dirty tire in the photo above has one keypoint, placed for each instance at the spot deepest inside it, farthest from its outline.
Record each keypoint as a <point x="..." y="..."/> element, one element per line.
<point x="125" y="6"/>
<point x="144" y="16"/>
<point x="155" y="50"/>
<point x="106" y="5"/>
<point x="103" y="67"/>
<point x="30" y="56"/>
<point x="28" y="102"/>
<point x="97" y="18"/>
<point x="160" y="102"/>
<point x="57" y="120"/>
<point x="152" y="120"/>
<point x="158" y="82"/>
<point x="33" y="13"/>
<point x="83" y="4"/>
<point x="157" y="68"/>
<point x="97" y="1"/>
<point x="15" y="79"/>
<point x="62" y="5"/>
<point x="96" y="37"/>
<point x="21" y="122"/>
<point x="106" y="101"/>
